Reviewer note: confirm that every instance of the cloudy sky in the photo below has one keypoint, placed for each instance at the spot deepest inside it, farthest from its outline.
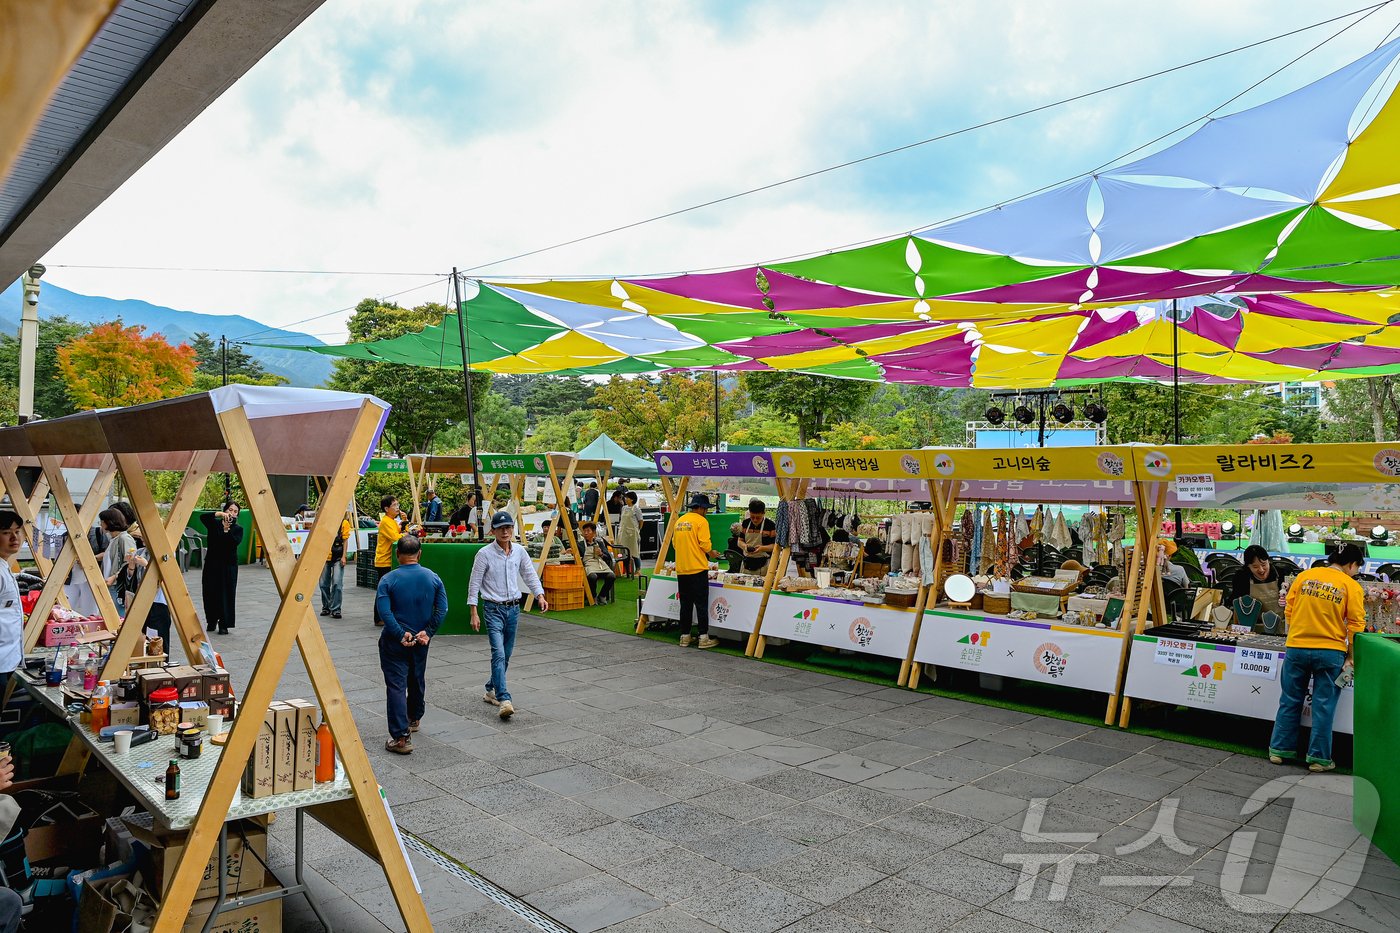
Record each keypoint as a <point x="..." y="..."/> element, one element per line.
<point x="412" y="136"/>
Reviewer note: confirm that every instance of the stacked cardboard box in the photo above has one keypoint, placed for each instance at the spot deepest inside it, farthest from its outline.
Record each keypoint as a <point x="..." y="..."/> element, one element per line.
<point x="284" y="755"/>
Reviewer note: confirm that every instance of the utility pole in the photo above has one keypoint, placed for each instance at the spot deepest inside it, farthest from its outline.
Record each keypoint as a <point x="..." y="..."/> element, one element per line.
<point x="471" y="411"/>
<point x="28" y="340"/>
<point x="717" y="411"/>
<point x="223" y="366"/>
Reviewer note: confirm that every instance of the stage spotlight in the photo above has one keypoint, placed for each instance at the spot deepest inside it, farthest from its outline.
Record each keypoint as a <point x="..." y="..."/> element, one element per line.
<point x="1023" y="414"/>
<point x="994" y="415"/>
<point x="1096" y="413"/>
<point x="1379" y="534"/>
<point x="1063" y="413"/>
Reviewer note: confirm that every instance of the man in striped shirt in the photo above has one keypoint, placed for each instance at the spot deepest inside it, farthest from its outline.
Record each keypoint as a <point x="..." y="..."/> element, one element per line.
<point x="495" y="585"/>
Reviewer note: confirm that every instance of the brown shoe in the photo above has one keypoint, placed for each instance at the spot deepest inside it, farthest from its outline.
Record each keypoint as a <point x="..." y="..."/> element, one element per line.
<point x="379" y="622"/>
<point x="399" y="746"/>
<point x="707" y="642"/>
<point x="507" y="709"/>
<point x="413" y="726"/>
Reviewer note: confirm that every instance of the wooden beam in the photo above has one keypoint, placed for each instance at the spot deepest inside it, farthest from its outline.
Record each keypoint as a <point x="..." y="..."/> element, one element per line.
<point x="675" y="494"/>
<point x="1145" y="553"/>
<point x="295" y="623"/>
<point x="163" y="568"/>
<point x="75" y="546"/>
<point x="944" y="496"/>
<point x="757" y="643"/>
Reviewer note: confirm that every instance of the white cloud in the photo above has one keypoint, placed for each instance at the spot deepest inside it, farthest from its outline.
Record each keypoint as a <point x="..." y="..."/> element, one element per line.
<point x="574" y="117"/>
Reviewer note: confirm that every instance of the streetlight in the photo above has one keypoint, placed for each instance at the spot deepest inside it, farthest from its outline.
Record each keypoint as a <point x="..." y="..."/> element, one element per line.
<point x="29" y="340"/>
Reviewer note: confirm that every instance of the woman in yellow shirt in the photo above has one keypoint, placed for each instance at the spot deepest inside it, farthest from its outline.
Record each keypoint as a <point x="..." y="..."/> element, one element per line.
<point x="1326" y="608"/>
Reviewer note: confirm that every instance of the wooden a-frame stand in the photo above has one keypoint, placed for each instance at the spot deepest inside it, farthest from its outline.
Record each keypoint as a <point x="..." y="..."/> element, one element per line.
<point x="363" y="820"/>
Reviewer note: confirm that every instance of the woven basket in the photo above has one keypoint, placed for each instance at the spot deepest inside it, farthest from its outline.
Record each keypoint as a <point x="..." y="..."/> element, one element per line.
<point x="996" y="604"/>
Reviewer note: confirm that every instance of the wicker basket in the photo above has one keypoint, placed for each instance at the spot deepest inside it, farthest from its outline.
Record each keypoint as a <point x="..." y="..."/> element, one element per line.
<point x="901" y="600"/>
<point x="996" y="603"/>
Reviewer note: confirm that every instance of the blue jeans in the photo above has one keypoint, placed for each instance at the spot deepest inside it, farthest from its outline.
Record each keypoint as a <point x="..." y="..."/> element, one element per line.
<point x="501" y="620"/>
<point x="332" y="586"/>
<point x="405" y="683"/>
<point x="1300" y="665"/>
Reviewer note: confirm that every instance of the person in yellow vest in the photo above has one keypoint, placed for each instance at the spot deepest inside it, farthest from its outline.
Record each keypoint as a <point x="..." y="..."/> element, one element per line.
<point x="390" y="531"/>
<point x="1326" y="608"/>
<point x="694" y="552"/>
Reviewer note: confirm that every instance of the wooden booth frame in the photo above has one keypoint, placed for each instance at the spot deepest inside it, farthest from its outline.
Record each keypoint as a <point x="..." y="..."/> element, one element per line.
<point x="214" y="431"/>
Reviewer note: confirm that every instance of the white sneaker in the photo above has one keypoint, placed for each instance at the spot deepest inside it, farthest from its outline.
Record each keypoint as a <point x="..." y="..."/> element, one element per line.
<point x="490" y="697"/>
<point x="507" y="710"/>
<point x="685" y="640"/>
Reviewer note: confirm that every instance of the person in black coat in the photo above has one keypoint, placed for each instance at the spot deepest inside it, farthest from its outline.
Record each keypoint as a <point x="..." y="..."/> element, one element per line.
<point x="220" y="572"/>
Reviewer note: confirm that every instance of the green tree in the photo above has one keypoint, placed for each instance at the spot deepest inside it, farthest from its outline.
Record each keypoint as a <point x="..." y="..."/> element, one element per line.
<point x="763" y="428"/>
<point x="50" y="391"/>
<point x="645" y="414"/>
<point x="500" y="429"/>
<point x="810" y="401"/>
<point x="425" y="401"/>
<point x="1361" y="410"/>
<point x="550" y="395"/>
<point x="569" y="432"/>
<point x="514" y="386"/>
<point x="242" y="368"/>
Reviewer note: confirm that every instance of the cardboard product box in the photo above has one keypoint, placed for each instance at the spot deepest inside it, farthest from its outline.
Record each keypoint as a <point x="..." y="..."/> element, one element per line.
<point x="126" y="714"/>
<point x="118" y="841"/>
<point x="215" y="686"/>
<point x="71" y="843"/>
<point x="256" y="918"/>
<point x="222" y="708"/>
<point x="284" y="749"/>
<point x="188" y="681"/>
<point x="68" y="633"/>
<point x="195" y="712"/>
<point x="304" y="732"/>
<point x="243" y="872"/>
<point x="151" y="681"/>
<point x="257" y="776"/>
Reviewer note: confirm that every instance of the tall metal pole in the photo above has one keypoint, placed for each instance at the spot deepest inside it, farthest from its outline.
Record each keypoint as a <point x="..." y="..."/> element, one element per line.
<point x="717" y="411"/>
<point x="28" y="340"/>
<point x="1176" y="397"/>
<point x="471" y="408"/>
<point x="223" y="366"/>
<point x="1040" y="442"/>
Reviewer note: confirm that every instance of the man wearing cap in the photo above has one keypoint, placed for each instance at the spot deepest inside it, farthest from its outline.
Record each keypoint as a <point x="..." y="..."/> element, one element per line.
<point x="495" y="585"/>
<point x="691" y="539"/>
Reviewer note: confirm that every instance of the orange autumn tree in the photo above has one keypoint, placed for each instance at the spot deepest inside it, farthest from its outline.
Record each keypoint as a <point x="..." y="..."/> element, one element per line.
<point x="114" y="365"/>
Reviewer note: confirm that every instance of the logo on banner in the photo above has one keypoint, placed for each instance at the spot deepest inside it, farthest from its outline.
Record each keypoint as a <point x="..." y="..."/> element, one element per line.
<point x="943" y="464"/>
<point x="805" y="618"/>
<point x="760" y="465"/>
<point x="910" y="464"/>
<point x="665" y="464"/>
<point x="862" y="632"/>
<point x="1111" y="464"/>
<point x="1051" y="660"/>
<point x="539" y="463"/>
<point x="719" y="611"/>
<point x="1157" y="463"/>
<point x="1205" y="681"/>
<point x="787" y="464"/>
<point x="1388" y="462"/>
<point x="975" y="642"/>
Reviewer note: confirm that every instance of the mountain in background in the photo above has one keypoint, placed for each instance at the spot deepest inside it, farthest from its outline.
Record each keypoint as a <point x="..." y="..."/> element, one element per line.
<point x="300" y="369"/>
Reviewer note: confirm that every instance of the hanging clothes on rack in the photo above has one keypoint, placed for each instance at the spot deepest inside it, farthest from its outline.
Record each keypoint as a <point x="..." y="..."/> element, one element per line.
<point x="1117" y="531"/>
<point x="783" y="523"/>
<point x="989" y="543"/>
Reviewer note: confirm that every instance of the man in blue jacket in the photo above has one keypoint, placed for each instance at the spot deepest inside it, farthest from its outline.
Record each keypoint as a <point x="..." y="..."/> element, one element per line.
<point x="412" y="602"/>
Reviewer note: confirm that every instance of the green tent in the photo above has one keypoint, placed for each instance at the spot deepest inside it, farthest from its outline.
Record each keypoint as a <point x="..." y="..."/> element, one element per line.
<point x="623" y="463"/>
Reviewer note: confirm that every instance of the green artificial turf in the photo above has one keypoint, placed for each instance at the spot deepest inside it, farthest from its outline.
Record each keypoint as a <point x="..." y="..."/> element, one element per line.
<point x="1236" y="734"/>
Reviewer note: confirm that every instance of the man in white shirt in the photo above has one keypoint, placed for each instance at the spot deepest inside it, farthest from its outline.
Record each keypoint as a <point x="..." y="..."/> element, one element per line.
<point x="11" y="613"/>
<point x="495" y="584"/>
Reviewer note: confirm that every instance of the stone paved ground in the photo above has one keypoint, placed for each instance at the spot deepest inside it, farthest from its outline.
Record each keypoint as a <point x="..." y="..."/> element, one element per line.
<point x="646" y="789"/>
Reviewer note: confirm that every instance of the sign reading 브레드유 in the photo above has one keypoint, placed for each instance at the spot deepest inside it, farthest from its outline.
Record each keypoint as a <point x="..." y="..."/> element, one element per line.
<point x="853" y="464"/>
<point x="715" y="463"/>
<point x="528" y="464"/>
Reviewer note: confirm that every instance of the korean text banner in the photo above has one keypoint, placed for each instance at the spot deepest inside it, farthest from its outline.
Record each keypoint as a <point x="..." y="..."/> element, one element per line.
<point x="529" y="464"/>
<point x="855" y="464"/>
<point x="739" y="463"/>
<point x="1046" y="463"/>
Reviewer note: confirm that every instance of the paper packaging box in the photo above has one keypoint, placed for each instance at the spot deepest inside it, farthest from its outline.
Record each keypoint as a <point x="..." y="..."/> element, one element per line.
<point x="195" y="712"/>
<point x="67" y="633"/>
<point x="215" y="686"/>
<point x="256" y="918"/>
<point x="118" y="841"/>
<point x="151" y="681"/>
<point x="222" y="708"/>
<point x="126" y="714"/>
<point x="188" y="681"/>
<point x="257" y="776"/>
<point x="243" y="870"/>
<point x="305" y="756"/>
<point x="285" y="749"/>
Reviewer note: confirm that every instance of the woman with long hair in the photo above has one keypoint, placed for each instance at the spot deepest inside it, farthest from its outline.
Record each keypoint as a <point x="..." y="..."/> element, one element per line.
<point x="220" y="572"/>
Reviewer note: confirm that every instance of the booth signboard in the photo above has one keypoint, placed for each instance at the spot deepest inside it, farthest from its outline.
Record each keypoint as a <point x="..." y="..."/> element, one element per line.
<point x="527" y="464"/>
<point x="1222" y="678"/>
<point x="851" y="464"/>
<point x="1065" y="655"/>
<point x="1063" y="463"/>
<point x="387" y="465"/>
<point x="712" y="463"/>
<point x="732" y="608"/>
<point x="839" y="623"/>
